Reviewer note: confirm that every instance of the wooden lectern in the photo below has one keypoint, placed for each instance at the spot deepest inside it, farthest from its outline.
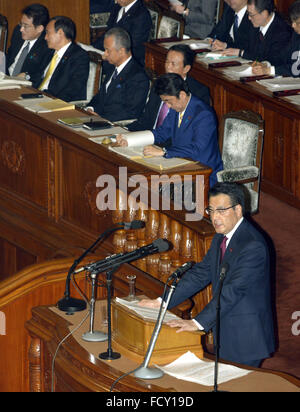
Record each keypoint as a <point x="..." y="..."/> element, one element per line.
<point x="131" y="334"/>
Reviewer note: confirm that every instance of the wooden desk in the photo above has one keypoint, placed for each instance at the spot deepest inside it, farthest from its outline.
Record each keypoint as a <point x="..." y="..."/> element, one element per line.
<point x="48" y="175"/>
<point x="281" y="166"/>
<point x="79" y="369"/>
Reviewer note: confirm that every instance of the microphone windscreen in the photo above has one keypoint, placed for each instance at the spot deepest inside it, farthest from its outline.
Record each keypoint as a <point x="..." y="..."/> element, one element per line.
<point x="162" y="245"/>
<point x="137" y="224"/>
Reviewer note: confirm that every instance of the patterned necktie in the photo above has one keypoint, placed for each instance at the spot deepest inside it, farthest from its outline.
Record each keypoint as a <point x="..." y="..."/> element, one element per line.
<point x="223" y="248"/>
<point x="180" y="118"/>
<point x="235" y="26"/>
<point x="50" y="71"/>
<point x="164" y="110"/>
<point x="20" y="62"/>
<point x="261" y="36"/>
<point x="113" y="77"/>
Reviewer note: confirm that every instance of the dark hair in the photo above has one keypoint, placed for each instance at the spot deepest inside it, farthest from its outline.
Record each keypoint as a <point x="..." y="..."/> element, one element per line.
<point x="186" y="51"/>
<point x="67" y="25"/>
<point x="262" y="5"/>
<point x="294" y="11"/>
<point x="235" y="191"/>
<point x="122" y="38"/>
<point x="170" y="84"/>
<point x="38" y="13"/>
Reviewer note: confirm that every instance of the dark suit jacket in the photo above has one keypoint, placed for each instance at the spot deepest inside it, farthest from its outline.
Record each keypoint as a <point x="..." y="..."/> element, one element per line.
<point x="223" y="28"/>
<point x="195" y="139"/>
<point x="101" y="6"/>
<point x="137" y="22"/>
<point x="36" y="58"/>
<point x="276" y="39"/>
<point x="147" y="120"/>
<point x="69" y="80"/>
<point x="126" y="95"/>
<point x="246" y="329"/>
<point x="291" y="59"/>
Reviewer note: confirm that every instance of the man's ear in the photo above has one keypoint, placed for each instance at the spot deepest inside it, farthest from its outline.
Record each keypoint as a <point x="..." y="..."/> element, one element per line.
<point x="186" y="69"/>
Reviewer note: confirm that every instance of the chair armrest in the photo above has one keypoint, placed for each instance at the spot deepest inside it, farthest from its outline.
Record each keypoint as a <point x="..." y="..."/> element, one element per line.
<point x="238" y="174"/>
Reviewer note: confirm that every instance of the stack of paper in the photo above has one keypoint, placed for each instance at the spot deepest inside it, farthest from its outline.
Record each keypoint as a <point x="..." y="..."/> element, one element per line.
<point x="190" y="368"/>
<point x="10" y="82"/>
<point x="145" y="313"/>
<point x="281" y="83"/>
<point x="239" y="71"/>
<point x="44" y="105"/>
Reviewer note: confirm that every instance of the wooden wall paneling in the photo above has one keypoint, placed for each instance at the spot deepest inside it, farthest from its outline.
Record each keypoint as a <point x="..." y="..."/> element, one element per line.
<point x="77" y="10"/>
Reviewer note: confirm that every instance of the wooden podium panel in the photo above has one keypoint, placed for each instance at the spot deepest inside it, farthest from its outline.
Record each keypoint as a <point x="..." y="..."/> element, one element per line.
<point x="131" y="335"/>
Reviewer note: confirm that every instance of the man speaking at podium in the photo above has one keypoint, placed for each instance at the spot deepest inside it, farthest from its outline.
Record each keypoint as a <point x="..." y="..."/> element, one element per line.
<point x="246" y="325"/>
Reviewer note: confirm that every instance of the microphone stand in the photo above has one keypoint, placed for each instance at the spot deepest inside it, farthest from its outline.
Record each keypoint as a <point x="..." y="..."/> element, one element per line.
<point x="67" y="303"/>
<point x="143" y="371"/>
<point x="93" y="336"/>
<point x="218" y="307"/>
<point x="109" y="354"/>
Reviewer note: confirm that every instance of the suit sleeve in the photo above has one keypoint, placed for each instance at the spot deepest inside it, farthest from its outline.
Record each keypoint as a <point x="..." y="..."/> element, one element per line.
<point x="248" y="273"/>
<point x="203" y="134"/>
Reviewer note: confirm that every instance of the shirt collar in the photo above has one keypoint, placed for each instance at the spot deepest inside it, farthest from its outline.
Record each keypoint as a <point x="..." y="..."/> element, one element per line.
<point x="265" y="28"/>
<point x="62" y="51"/>
<point x="129" y="6"/>
<point x="241" y="13"/>
<point x="121" y="67"/>
<point x="232" y="232"/>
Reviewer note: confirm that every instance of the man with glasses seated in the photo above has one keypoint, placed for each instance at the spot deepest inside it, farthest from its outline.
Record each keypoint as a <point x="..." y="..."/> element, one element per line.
<point x="290" y="55"/>
<point x="272" y="34"/>
<point x="28" y="47"/>
<point x="246" y="321"/>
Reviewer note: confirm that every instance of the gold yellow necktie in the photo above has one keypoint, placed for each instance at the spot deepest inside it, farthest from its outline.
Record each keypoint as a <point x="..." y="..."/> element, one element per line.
<point x="180" y="118"/>
<point x="50" y="70"/>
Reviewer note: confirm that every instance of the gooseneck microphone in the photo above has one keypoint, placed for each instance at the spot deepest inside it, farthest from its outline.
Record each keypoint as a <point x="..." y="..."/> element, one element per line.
<point x="158" y="246"/>
<point x="71" y="305"/>
<point x="181" y="270"/>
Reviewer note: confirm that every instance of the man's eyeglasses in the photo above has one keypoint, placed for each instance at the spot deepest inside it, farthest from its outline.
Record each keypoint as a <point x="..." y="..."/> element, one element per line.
<point x="221" y="212"/>
<point x="25" y="26"/>
<point x="252" y="15"/>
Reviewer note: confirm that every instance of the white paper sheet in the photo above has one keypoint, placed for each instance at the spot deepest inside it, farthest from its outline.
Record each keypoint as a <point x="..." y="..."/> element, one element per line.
<point x="281" y="83"/>
<point x="190" y="368"/>
<point x="142" y="138"/>
<point x="145" y="313"/>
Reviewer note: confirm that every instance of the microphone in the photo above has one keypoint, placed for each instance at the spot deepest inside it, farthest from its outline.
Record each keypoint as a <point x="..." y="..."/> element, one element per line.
<point x="181" y="270"/>
<point x="71" y="305"/>
<point x="135" y="224"/>
<point x="158" y="246"/>
<point x="224" y="270"/>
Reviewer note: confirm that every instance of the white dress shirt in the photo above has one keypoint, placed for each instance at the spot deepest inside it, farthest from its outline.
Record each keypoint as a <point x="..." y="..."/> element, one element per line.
<point x="125" y="9"/>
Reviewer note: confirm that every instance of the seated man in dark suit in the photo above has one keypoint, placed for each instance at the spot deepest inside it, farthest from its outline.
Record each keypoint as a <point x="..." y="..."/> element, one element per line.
<point x="134" y="17"/>
<point x="190" y="129"/>
<point x="272" y="34"/>
<point x="124" y="92"/>
<point x="290" y="55"/>
<point x="236" y="27"/>
<point x="179" y="60"/>
<point x="246" y="319"/>
<point x="28" y="48"/>
<point x="67" y="72"/>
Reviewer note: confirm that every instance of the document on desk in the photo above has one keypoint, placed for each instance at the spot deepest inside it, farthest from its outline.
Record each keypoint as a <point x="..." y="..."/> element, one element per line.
<point x="190" y="368"/>
<point x="245" y="70"/>
<point x="145" y="313"/>
<point x="12" y="81"/>
<point x="281" y="83"/>
<point x="44" y="105"/>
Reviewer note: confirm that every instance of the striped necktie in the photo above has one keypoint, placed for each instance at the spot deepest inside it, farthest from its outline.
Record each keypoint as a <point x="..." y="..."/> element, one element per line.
<point x="223" y="248"/>
<point x="180" y="118"/>
<point x="50" y="71"/>
<point x="21" y="60"/>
